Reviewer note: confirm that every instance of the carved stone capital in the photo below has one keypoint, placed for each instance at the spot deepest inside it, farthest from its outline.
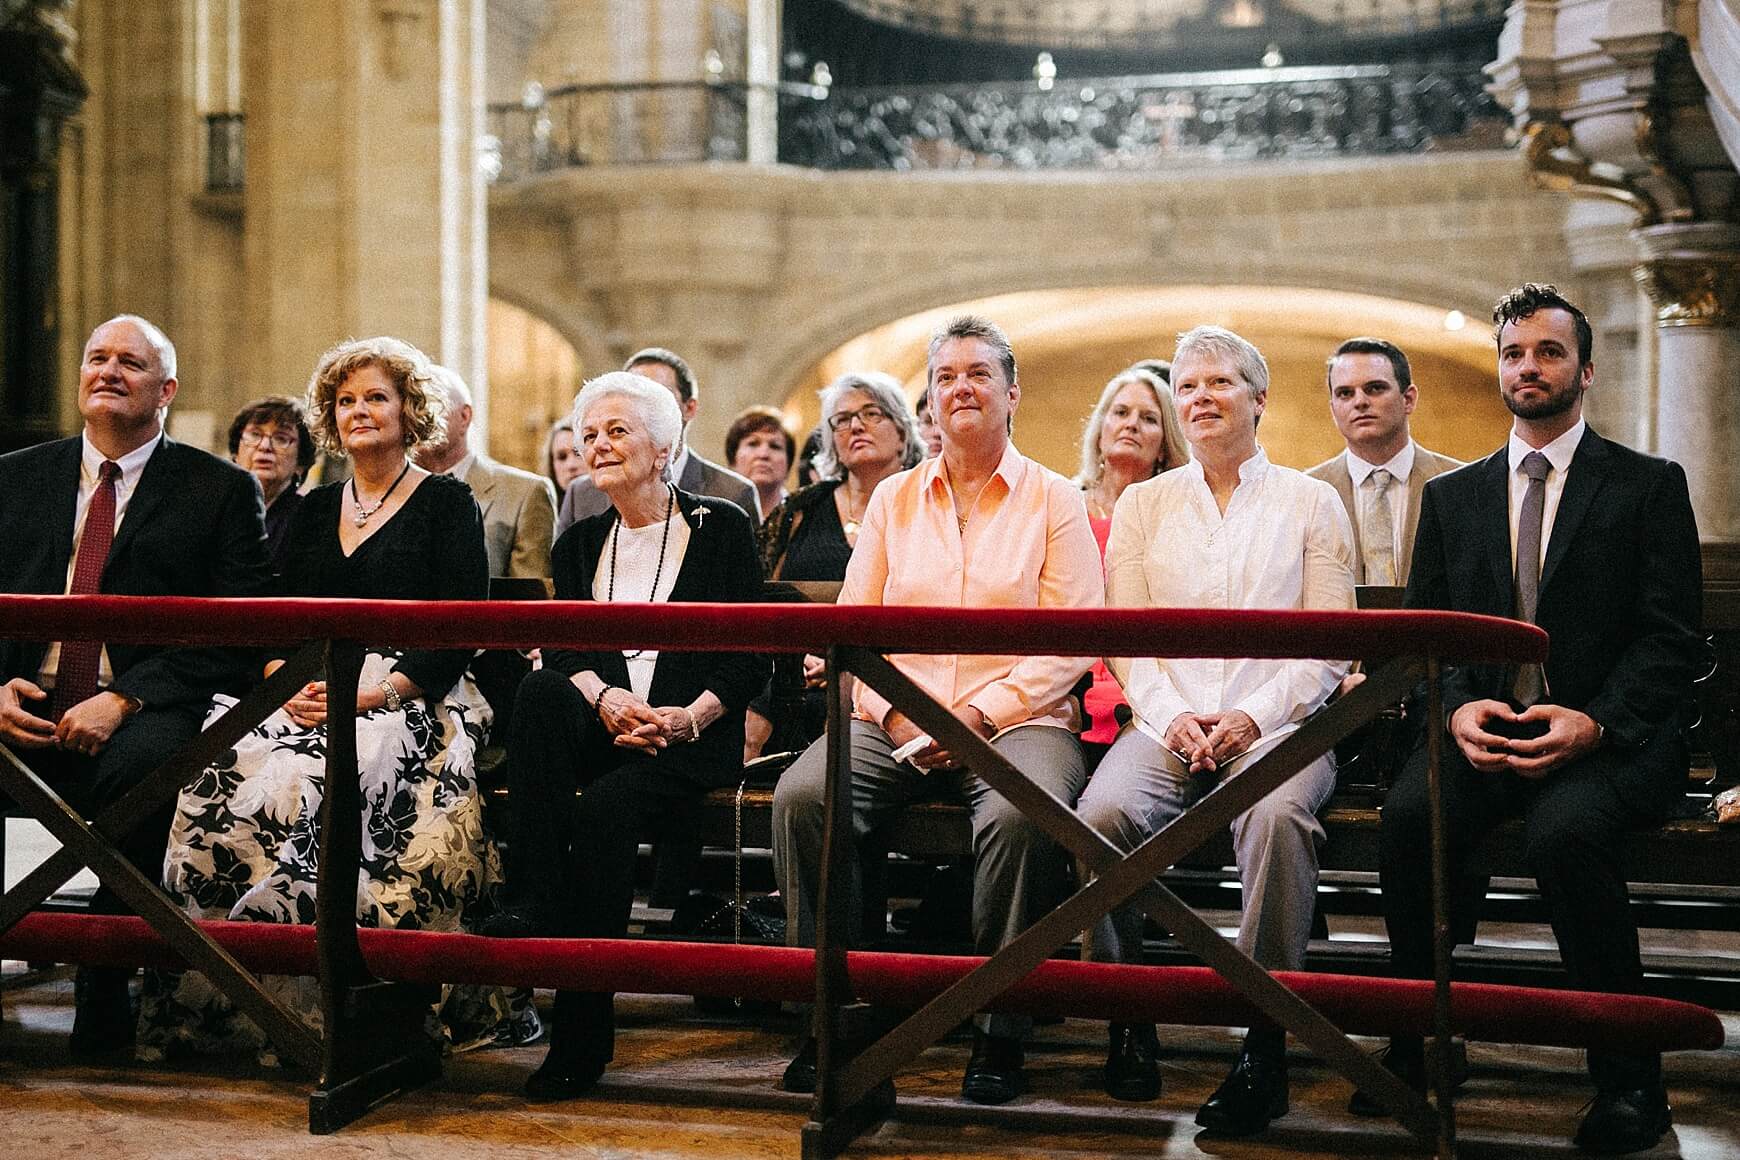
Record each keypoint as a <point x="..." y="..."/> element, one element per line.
<point x="1691" y="273"/>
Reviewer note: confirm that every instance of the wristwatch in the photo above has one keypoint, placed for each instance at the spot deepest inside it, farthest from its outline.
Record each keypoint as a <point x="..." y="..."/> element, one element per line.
<point x="394" y="701"/>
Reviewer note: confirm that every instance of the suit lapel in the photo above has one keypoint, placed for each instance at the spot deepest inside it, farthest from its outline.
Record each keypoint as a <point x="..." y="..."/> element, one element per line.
<point x="63" y="489"/>
<point x="1342" y="481"/>
<point x="1588" y="469"/>
<point x="1492" y="524"/>
<point x="156" y="484"/>
<point x="482" y="481"/>
<point x="694" y="475"/>
<point x="1411" y="521"/>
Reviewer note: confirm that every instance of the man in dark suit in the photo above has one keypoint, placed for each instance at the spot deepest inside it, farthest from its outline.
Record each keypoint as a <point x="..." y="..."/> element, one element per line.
<point x="689" y="470"/>
<point x="1597" y="544"/>
<point x="120" y="509"/>
<point x="1383" y="471"/>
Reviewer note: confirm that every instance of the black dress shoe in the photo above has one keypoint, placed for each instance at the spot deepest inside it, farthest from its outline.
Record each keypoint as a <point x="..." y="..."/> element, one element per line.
<point x="513" y="922"/>
<point x="800" y="1073"/>
<point x="1254" y="1092"/>
<point x="1407" y="1062"/>
<point x="994" y="1074"/>
<point x="1625" y="1121"/>
<point x="562" y="1079"/>
<point x="103" y="1015"/>
<point x="1132" y="1062"/>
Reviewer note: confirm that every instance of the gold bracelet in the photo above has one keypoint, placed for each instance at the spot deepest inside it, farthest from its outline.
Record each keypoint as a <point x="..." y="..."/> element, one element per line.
<point x="394" y="701"/>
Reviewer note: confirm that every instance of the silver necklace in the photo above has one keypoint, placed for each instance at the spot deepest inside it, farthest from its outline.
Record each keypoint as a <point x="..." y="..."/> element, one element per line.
<point x="664" y="541"/>
<point x="363" y="515"/>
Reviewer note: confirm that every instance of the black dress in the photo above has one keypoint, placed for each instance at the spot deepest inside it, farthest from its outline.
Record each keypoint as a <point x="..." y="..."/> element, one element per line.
<point x="243" y="843"/>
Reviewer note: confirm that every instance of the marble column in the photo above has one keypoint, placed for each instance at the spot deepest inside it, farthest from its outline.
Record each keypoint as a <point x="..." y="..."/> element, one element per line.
<point x="364" y="200"/>
<point x="1691" y="272"/>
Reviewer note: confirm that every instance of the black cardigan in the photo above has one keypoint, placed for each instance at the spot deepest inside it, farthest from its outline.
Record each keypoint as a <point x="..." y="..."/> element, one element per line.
<point x="720" y="566"/>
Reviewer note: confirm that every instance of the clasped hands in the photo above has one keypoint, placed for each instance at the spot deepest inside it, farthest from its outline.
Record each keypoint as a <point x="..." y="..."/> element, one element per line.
<point x="1477" y="730"/>
<point x="85" y="728"/>
<point x="1207" y="741"/>
<point x="634" y="724"/>
<point x="901" y="730"/>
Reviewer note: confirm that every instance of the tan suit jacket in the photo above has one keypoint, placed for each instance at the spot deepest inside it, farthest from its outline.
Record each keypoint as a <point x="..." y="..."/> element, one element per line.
<point x="1426" y="465"/>
<point x="519" y="517"/>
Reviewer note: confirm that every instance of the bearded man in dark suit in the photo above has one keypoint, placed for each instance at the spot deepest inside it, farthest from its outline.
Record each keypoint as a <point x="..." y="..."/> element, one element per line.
<point x="1597" y="544"/>
<point x="120" y="509"/>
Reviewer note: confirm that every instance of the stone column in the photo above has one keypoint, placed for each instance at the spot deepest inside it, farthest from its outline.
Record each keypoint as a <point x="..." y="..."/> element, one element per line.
<point x="39" y="91"/>
<point x="1691" y="272"/>
<point x="364" y="200"/>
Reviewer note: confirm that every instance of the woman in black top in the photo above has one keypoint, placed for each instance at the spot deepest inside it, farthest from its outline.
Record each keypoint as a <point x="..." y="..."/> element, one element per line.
<point x="270" y="438"/>
<point x="870" y="434"/>
<point x="243" y="842"/>
<point x="643" y="734"/>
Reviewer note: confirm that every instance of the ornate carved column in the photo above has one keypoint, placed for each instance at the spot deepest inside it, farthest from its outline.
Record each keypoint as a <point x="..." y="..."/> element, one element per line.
<point x="1691" y="272"/>
<point x="1611" y="105"/>
<point x="39" y="90"/>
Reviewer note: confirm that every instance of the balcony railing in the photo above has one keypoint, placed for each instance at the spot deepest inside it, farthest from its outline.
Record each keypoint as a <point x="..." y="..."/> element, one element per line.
<point x="1118" y="123"/>
<point x="224" y="155"/>
<point x="1134" y="123"/>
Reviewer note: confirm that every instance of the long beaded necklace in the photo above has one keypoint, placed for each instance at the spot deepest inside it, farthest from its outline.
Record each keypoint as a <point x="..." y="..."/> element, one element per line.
<point x="664" y="541"/>
<point x="362" y="517"/>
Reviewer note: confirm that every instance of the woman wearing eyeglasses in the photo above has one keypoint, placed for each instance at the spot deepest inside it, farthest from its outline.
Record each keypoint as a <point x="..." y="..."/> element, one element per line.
<point x="871" y="434"/>
<point x="270" y="438"/>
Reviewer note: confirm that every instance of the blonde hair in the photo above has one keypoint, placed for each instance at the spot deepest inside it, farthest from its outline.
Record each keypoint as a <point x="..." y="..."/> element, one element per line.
<point x="423" y="405"/>
<point x="1174" y="451"/>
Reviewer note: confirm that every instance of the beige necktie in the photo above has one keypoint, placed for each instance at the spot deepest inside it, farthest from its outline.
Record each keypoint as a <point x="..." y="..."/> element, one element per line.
<point x="1377" y="529"/>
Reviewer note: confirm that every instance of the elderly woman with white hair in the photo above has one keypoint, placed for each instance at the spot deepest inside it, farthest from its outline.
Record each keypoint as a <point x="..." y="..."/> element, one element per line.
<point x="644" y="733"/>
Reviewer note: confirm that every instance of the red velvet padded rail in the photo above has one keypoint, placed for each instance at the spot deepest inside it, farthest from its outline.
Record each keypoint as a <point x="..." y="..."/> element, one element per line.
<point x="1177" y="632"/>
<point x="1179" y="995"/>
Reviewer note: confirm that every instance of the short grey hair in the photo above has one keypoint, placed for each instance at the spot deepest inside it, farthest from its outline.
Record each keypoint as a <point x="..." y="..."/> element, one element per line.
<point x="153" y="335"/>
<point x="1218" y="341"/>
<point x="971" y="326"/>
<point x="886" y="393"/>
<point x="657" y="406"/>
<point x="451" y="385"/>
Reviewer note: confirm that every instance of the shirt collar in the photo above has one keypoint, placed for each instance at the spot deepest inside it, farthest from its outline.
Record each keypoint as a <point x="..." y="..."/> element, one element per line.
<point x="462" y="469"/>
<point x="1250" y="470"/>
<point x="1009" y="468"/>
<point x="1400" y="465"/>
<point x="1559" y="452"/>
<point x="679" y="465"/>
<point x="131" y="464"/>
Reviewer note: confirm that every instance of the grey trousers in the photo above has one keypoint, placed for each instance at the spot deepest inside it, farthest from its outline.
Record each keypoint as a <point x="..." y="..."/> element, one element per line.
<point x="1140" y="787"/>
<point x="1013" y="858"/>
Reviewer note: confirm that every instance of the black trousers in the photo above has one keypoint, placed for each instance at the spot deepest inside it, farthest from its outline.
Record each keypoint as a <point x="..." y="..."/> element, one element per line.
<point x="1574" y="824"/>
<point x="90" y="784"/>
<point x="572" y="861"/>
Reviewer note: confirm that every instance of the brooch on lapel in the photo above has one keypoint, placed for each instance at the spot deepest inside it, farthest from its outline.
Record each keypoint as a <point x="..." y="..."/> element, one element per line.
<point x="702" y="511"/>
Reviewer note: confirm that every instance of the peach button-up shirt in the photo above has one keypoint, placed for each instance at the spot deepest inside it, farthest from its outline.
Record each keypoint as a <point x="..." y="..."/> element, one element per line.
<point x="1027" y="544"/>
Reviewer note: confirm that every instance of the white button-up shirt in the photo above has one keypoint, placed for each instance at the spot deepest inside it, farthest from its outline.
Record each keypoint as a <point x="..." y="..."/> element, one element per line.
<point x="1284" y="542"/>
<point x="1400" y="467"/>
<point x="1559" y="453"/>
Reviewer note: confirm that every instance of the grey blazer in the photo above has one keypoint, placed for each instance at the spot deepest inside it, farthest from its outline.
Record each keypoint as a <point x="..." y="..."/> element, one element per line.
<point x="1426" y="465"/>
<point x="699" y="478"/>
<point x="519" y="517"/>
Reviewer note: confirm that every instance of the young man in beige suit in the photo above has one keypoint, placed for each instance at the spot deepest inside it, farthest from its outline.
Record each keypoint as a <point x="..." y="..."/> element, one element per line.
<point x="1381" y="474"/>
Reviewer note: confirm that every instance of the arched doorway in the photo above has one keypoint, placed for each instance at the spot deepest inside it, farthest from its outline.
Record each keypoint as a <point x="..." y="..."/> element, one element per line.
<point x="1069" y="343"/>
<point x="533" y="375"/>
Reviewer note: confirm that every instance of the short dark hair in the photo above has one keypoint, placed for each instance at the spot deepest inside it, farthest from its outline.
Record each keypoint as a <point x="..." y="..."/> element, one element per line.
<point x="1398" y="360"/>
<point x="751" y="420"/>
<point x="1158" y="367"/>
<point x="1530" y="297"/>
<point x="972" y="326"/>
<point x="285" y="413"/>
<point x="658" y="354"/>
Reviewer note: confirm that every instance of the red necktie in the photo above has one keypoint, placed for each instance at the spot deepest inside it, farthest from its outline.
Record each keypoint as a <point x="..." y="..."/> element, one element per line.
<point x="76" y="679"/>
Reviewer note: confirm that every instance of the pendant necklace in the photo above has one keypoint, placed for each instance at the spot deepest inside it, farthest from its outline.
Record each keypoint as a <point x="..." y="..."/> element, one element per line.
<point x="664" y="541"/>
<point x="362" y="516"/>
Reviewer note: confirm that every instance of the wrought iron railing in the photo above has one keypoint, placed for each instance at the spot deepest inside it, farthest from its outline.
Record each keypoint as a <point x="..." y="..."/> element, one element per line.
<point x="1143" y="122"/>
<point x="224" y="152"/>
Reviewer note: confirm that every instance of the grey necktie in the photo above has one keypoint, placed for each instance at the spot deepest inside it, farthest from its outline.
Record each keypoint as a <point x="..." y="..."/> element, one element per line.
<point x="1377" y="530"/>
<point x="1530" y="684"/>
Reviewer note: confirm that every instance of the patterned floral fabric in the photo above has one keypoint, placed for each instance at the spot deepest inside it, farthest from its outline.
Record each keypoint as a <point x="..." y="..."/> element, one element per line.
<point x="243" y="846"/>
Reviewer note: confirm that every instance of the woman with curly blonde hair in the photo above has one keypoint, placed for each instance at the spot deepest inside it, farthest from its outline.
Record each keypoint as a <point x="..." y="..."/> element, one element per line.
<point x="242" y="845"/>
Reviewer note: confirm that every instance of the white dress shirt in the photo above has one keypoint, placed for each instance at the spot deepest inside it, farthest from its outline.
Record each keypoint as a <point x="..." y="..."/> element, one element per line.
<point x="132" y="466"/>
<point x="1284" y="542"/>
<point x="462" y="469"/>
<point x="1559" y="453"/>
<point x="1400" y="467"/>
